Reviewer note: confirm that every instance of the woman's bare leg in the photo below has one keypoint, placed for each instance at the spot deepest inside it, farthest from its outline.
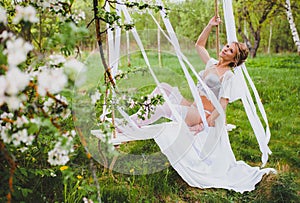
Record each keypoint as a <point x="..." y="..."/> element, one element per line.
<point x="192" y="117"/>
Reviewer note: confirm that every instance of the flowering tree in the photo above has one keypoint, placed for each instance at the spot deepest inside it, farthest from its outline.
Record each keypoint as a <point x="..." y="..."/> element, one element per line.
<point x="38" y="68"/>
<point x="36" y="76"/>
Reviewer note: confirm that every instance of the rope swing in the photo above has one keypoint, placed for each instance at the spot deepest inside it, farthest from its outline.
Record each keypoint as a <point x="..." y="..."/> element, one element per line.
<point x="217" y="28"/>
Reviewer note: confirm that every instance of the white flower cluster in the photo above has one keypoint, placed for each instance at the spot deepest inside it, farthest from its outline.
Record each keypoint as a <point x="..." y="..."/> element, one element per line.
<point x="131" y="103"/>
<point x="7" y="35"/>
<point x="50" y="104"/>
<point x="21" y="134"/>
<point x="75" y="71"/>
<point x="3" y="16"/>
<point x="46" y="4"/>
<point x="5" y="128"/>
<point x="27" y="14"/>
<point x="16" y="50"/>
<point x="95" y="97"/>
<point x="57" y="7"/>
<point x="10" y="85"/>
<point x="77" y="16"/>
<point x="51" y="80"/>
<point x="86" y="200"/>
<point x="54" y="80"/>
<point x="56" y="59"/>
<point x="59" y="155"/>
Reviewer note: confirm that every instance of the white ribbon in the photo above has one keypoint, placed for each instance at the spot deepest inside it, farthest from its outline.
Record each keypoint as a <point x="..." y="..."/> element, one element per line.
<point x="262" y="135"/>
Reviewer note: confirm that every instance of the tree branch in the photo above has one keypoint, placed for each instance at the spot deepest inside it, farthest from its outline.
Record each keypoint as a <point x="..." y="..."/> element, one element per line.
<point x="99" y="40"/>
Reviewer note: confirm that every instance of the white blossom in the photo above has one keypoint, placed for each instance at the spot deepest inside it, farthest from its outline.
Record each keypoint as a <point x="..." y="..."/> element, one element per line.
<point x="23" y="149"/>
<point x="95" y="97"/>
<point x="4" y="135"/>
<point x="81" y="15"/>
<point x="47" y="104"/>
<point x="57" y="7"/>
<point x="73" y="67"/>
<point x="34" y="73"/>
<point x="3" y="84"/>
<point x="7" y="115"/>
<point x="131" y="103"/>
<point x="86" y="200"/>
<point x="16" y="51"/>
<point x="52" y="174"/>
<point x="46" y="4"/>
<point x="56" y="59"/>
<point x="22" y="136"/>
<point x="51" y="80"/>
<point x="58" y="155"/>
<point x="73" y="133"/>
<point x="16" y="138"/>
<point x="61" y="98"/>
<point x="26" y="14"/>
<point x="13" y="102"/>
<point x="29" y="140"/>
<point x="7" y="35"/>
<point x="43" y="4"/>
<point x="21" y="121"/>
<point x="16" y="81"/>
<point x="66" y="113"/>
<point x="77" y="16"/>
<point x="8" y="126"/>
<point x="75" y="70"/>
<point x="3" y="16"/>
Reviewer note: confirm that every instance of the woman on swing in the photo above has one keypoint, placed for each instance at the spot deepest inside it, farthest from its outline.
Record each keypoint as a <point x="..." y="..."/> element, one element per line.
<point x="207" y="160"/>
<point x="217" y="76"/>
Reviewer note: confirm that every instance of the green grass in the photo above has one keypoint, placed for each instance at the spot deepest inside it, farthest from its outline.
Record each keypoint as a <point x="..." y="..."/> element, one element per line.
<point x="277" y="80"/>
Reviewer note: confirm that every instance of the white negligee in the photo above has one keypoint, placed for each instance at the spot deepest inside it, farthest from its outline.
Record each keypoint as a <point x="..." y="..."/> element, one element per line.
<point x="210" y="162"/>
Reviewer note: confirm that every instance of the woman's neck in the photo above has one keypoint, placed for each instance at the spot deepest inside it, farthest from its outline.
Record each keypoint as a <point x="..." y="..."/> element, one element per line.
<point x="223" y="65"/>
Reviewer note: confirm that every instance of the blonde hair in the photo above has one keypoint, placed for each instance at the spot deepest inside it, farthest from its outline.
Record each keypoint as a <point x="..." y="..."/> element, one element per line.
<point x="241" y="55"/>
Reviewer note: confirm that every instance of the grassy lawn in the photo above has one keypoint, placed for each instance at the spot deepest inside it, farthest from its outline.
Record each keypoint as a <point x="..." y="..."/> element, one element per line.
<point x="277" y="80"/>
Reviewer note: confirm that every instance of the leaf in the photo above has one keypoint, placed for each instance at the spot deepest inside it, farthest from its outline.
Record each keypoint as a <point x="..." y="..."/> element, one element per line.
<point x="25" y="191"/>
<point x="33" y="128"/>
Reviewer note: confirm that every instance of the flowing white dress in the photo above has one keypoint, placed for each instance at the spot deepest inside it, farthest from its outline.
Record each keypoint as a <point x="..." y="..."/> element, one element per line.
<point x="207" y="160"/>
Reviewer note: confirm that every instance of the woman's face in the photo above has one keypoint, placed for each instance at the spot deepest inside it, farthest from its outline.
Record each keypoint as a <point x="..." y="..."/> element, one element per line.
<point x="228" y="52"/>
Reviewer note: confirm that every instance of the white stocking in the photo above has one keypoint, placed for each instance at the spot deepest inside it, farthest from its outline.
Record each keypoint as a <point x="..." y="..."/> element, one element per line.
<point x="160" y="110"/>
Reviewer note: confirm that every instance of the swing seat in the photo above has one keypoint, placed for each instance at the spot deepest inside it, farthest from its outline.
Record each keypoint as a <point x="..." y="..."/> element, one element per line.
<point x="130" y="133"/>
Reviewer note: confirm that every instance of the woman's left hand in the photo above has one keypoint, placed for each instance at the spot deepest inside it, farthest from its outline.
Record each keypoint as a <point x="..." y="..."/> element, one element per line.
<point x="214" y="21"/>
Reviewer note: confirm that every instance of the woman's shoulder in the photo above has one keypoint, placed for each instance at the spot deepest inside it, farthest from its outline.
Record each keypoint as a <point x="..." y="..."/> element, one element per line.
<point x="211" y="62"/>
<point x="228" y="75"/>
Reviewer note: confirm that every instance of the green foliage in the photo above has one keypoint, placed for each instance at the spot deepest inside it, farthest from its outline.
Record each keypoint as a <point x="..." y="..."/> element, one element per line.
<point x="191" y="17"/>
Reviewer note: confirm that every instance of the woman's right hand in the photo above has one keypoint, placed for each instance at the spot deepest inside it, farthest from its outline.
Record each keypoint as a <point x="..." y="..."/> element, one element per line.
<point x="210" y="121"/>
<point x="214" y="21"/>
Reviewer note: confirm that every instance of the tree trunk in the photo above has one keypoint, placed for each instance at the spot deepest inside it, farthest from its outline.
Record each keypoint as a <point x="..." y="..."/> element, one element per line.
<point x="292" y="25"/>
<point x="254" y="24"/>
<point x="99" y="41"/>
<point x="270" y="38"/>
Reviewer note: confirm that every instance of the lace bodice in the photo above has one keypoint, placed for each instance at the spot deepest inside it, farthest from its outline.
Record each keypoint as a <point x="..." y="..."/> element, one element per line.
<point x="219" y="85"/>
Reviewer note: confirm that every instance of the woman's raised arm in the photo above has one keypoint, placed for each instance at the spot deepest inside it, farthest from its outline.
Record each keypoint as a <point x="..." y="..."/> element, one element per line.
<point x="202" y="39"/>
